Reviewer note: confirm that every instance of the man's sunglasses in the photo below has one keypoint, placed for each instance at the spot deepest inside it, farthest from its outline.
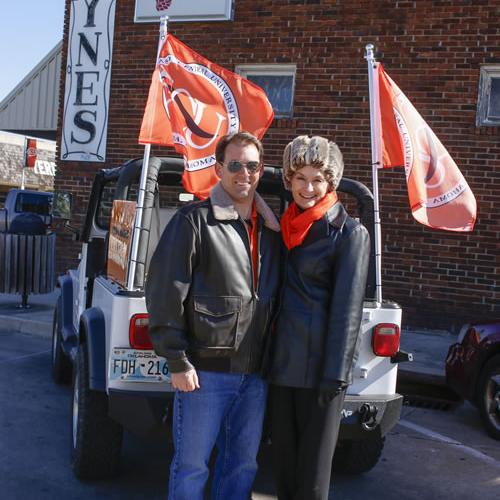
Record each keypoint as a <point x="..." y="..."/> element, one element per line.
<point x="235" y="166"/>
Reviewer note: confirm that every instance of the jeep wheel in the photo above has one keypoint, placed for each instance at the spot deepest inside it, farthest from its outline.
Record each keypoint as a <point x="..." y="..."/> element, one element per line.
<point x="96" y="439"/>
<point x="61" y="364"/>
<point x="489" y="396"/>
<point x="356" y="457"/>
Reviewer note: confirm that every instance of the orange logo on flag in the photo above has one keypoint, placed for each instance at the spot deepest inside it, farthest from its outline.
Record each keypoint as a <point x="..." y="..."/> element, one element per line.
<point x="197" y="124"/>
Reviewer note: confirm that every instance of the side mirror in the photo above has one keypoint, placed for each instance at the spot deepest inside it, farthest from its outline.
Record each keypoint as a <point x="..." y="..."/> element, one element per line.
<point x="62" y="203"/>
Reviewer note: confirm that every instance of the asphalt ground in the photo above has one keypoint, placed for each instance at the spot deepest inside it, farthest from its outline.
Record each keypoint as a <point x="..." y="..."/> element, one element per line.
<point x="430" y="454"/>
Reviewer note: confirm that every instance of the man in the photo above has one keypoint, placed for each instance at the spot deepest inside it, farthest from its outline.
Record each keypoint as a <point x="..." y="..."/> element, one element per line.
<point x="210" y="294"/>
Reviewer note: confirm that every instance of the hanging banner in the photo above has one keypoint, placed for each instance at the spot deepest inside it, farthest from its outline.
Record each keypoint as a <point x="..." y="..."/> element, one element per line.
<point x="88" y="78"/>
<point x="148" y="11"/>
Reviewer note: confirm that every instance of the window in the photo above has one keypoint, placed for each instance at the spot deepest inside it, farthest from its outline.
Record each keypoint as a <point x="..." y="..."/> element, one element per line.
<point x="488" y="101"/>
<point x="34" y="203"/>
<point x="277" y="81"/>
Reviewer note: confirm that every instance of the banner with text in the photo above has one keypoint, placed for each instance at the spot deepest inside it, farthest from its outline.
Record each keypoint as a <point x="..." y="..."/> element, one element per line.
<point x="88" y="77"/>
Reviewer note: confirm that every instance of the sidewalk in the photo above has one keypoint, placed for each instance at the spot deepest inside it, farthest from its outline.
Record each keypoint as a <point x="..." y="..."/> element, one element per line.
<point x="35" y="320"/>
<point x="429" y="347"/>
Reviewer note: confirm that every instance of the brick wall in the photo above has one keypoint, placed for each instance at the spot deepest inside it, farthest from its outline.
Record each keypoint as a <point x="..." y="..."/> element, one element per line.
<point x="432" y="49"/>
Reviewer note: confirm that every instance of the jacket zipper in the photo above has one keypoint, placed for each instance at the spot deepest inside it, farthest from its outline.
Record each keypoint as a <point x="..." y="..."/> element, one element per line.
<point x="254" y="284"/>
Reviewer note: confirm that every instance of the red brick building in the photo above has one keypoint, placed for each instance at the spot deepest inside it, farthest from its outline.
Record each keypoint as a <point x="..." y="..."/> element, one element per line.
<point x="434" y="50"/>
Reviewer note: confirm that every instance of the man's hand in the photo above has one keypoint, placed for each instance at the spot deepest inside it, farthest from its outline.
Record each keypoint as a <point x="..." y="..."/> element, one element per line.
<point x="185" y="381"/>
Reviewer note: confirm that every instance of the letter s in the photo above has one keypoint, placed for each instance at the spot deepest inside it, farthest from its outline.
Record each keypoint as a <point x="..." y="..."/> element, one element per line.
<point x="84" y="125"/>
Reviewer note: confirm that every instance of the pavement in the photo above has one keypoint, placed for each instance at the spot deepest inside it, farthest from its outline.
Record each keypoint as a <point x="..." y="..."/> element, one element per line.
<point x="428" y="347"/>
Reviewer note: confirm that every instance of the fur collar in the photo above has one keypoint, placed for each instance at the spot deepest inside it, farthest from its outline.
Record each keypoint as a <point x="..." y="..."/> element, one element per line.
<point x="223" y="208"/>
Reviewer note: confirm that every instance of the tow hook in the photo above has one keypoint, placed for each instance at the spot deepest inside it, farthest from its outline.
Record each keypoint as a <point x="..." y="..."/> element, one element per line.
<point x="367" y="416"/>
<point x="401" y="357"/>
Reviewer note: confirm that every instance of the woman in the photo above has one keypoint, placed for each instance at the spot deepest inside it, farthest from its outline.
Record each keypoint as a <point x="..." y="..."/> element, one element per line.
<point x="319" y="317"/>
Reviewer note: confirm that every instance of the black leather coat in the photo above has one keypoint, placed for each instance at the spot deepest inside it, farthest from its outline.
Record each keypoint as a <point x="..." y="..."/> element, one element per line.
<point x="321" y="304"/>
<point x="204" y="310"/>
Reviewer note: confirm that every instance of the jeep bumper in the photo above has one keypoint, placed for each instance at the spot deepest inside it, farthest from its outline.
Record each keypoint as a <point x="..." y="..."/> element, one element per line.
<point x="363" y="415"/>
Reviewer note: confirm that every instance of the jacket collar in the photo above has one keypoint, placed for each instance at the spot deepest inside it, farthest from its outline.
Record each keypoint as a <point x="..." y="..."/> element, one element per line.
<point x="337" y="215"/>
<point x="223" y="208"/>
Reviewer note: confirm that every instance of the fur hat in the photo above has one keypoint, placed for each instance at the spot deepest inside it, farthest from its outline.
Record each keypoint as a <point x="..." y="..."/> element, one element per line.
<point x="316" y="151"/>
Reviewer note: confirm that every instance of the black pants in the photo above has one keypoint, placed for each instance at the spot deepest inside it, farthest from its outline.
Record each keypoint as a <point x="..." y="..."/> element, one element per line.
<point x="304" y="437"/>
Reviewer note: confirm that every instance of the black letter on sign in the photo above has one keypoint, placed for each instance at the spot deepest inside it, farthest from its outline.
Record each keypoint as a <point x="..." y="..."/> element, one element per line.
<point x="80" y="75"/>
<point x="84" y="42"/>
<point x="84" y="125"/>
<point x="91" y="13"/>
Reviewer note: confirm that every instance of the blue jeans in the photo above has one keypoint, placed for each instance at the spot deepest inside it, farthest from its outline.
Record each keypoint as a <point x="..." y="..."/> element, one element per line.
<point x="227" y="411"/>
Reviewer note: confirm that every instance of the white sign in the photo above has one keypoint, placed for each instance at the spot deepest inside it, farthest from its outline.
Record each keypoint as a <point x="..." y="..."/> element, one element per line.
<point x="88" y="78"/>
<point x="183" y="10"/>
<point x="43" y="167"/>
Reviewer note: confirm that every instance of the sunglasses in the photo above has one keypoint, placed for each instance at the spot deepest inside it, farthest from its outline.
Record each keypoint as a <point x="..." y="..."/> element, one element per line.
<point x="235" y="166"/>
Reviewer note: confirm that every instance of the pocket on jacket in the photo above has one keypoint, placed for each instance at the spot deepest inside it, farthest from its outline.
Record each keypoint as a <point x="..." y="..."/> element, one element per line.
<point x="216" y="321"/>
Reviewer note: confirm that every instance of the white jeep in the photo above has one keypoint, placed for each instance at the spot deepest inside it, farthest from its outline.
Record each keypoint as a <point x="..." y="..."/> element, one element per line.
<point x="100" y="332"/>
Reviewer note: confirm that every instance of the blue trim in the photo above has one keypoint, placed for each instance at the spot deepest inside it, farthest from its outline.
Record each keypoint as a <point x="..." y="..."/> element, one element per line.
<point x="65" y="316"/>
<point x="93" y="334"/>
<point x="65" y="307"/>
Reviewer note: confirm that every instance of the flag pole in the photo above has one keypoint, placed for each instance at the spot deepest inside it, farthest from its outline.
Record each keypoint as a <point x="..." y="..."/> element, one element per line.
<point x="375" y="128"/>
<point x="142" y="183"/>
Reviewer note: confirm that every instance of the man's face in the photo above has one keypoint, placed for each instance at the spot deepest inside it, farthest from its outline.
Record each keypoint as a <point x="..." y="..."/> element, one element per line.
<point x="241" y="185"/>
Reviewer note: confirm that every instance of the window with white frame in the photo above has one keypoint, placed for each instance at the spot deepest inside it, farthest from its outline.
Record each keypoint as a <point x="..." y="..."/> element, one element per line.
<point x="277" y="81"/>
<point x="488" y="101"/>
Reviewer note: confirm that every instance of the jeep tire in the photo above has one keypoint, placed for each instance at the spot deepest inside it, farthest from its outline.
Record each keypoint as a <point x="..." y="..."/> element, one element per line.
<point x="61" y="364"/>
<point x="96" y="439"/>
<point x="356" y="457"/>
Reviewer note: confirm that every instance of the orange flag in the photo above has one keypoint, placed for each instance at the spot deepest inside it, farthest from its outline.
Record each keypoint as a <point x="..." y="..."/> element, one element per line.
<point x="438" y="192"/>
<point x="191" y="103"/>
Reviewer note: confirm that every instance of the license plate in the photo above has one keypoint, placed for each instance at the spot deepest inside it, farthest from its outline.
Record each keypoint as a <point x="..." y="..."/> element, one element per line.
<point x="133" y="365"/>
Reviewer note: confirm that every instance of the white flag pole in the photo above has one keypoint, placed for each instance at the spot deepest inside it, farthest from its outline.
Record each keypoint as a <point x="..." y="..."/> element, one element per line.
<point x="142" y="184"/>
<point x="375" y="129"/>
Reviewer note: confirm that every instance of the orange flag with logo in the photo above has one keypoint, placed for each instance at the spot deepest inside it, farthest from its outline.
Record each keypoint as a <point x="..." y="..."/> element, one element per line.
<point x="192" y="103"/>
<point x="438" y="192"/>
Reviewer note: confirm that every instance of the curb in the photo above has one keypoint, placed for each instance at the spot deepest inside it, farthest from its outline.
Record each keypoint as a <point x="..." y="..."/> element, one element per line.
<point x="26" y="326"/>
<point x="426" y="389"/>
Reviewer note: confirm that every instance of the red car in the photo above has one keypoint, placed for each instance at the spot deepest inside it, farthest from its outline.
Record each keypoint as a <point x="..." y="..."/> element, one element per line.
<point x="473" y="370"/>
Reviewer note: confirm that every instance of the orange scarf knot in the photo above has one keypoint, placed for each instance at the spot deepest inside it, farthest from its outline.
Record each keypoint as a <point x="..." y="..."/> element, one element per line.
<point x="295" y="224"/>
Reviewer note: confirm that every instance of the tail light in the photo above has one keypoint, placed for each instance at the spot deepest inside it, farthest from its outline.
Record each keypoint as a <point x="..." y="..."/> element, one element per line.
<point x="138" y="332"/>
<point x="386" y="339"/>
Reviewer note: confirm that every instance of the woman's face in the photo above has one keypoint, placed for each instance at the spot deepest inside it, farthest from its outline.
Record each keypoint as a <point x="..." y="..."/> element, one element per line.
<point x="308" y="186"/>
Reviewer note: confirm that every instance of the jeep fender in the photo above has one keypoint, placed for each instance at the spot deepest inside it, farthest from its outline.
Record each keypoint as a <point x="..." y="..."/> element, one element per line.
<point x="65" y="308"/>
<point x="92" y="335"/>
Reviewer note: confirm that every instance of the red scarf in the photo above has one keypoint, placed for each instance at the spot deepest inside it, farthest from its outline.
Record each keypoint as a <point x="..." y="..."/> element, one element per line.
<point x="295" y="223"/>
